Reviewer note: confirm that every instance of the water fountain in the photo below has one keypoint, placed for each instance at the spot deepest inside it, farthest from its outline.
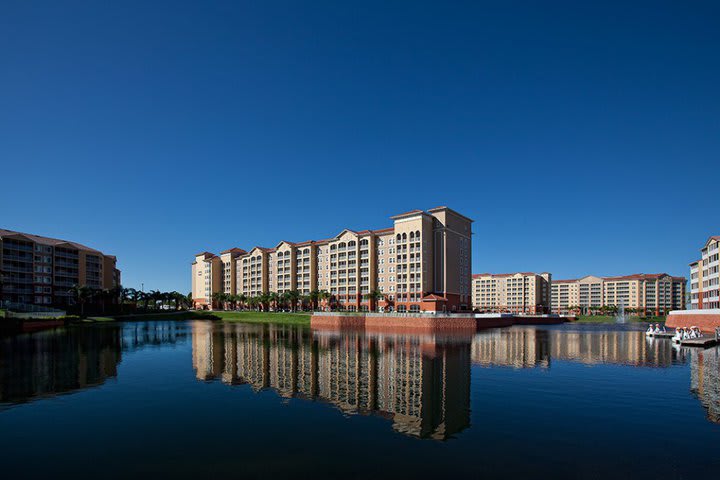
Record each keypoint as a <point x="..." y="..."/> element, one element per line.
<point x="621" y="316"/>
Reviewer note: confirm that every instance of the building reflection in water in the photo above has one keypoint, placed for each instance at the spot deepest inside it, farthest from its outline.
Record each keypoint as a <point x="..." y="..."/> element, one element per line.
<point x="421" y="383"/>
<point x="705" y="380"/>
<point x="65" y="360"/>
<point x="530" y="347"/>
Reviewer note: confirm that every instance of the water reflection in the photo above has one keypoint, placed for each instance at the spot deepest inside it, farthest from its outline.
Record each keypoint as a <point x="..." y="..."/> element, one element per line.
<point x="421" y="383"/>
<point x="705" y="380"/>
<point x="525" y="347"/>
<point x="66" y="360"/>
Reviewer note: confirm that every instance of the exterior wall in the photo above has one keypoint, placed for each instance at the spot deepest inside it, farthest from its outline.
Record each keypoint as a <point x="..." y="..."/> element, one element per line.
<point x="656" y="293"/>
<point x="705" y="277"/>
<point x="42" y="270"/>
<point x="207" y="278"/>
<point x="424" y="253"/>
<point x="522" y="292"/>
<point x="706" y="319"/>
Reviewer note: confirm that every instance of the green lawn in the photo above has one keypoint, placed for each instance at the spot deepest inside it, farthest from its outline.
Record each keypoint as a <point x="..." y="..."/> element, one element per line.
<point x="302" y="318"/>
<point x="611" y="319"/>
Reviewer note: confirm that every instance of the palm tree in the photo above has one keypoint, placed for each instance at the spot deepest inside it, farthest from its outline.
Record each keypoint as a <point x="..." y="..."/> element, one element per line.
<point x="293" y="296"/>
<point x="323" y="295"/>
<point x="274" y="299"/>
<point x="242" y="298"/>
<point x="374" y="296"/>
<point x="217" y="297"/>
<point x="82" y="294"/>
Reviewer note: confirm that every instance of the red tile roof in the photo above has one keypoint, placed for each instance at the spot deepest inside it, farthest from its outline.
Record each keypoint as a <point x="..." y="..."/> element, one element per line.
<point x="434" y="298"/>
<point x="47" y="240"/>
<point x="478" y="275"/>
<point x="411" y="212"/>
<point x="234" y="250"/>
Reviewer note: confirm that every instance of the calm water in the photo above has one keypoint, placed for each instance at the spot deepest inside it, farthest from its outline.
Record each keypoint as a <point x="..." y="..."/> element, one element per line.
<point x="200" y="398"/>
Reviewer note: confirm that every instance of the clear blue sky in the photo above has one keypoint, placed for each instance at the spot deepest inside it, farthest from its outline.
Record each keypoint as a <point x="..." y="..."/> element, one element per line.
<point x="577" y="134"/>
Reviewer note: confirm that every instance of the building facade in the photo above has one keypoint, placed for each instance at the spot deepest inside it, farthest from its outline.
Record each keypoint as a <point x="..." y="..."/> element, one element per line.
<point x="656" y="293"/>
<point x="522" y="292"/>
<point x="421" y="263"/>
<point x="41" y="270"/>
<point x="705" y="277"/>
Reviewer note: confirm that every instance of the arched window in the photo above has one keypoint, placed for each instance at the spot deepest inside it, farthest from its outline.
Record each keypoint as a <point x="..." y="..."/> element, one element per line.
<point x="417" y="234"/>
<point x="342" y="245"/>
<point x="412" y="235"/>
<point x="404" y="236"/>
<point x="351" y="243"/>
<point x="364" y="243"/>
<point x="333" y="247"/>
<point x="306" y="251"/>
<point x="399" y="237"/>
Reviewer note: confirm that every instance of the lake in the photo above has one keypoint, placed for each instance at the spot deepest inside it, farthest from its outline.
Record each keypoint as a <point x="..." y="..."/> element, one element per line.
<point x="190" y="399"/>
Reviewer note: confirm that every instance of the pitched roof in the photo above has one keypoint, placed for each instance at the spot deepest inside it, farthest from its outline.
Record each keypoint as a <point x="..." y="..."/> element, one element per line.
<point x="234" y="250"/>
<point x="478" y="275"/>
<point x="434" y="298"/>
<point x="406" y="214"/>
<point x="437" y="209"/>
<point x="47" y="240"/>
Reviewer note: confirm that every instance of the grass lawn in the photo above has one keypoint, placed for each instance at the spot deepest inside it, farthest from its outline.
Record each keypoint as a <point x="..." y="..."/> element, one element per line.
<point x="300" y="318"/>
<point x="611" y="319"/>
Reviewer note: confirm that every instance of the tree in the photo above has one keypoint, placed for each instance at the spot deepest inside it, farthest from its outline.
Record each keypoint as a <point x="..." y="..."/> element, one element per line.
<point x="219" y="298"/>
<point x="374" y="296"/>
<point x="242" y="298"/>
<point x="274" y="299"/>
<point x="293" y="297"/>
<point x="323" y="295"/>
<point x="82" y="294"/>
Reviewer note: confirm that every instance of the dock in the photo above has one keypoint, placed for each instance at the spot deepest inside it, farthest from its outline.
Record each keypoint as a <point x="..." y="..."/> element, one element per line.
<point x="660" y="335"/>
<point x="703" y="342"/>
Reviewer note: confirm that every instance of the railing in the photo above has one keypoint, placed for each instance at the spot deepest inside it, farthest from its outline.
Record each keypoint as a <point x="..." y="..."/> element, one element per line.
<point x="396" y="314"/>
<point x="28" y="307"/>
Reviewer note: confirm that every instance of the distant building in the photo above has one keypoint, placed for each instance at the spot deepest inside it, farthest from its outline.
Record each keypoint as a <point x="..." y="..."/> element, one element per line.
<point x="522" y="292"/>
<point x="42" y="270"/>
<point x="705" y="277"/>
<point x="656" y="293"/>
<point x="421" y="263"/>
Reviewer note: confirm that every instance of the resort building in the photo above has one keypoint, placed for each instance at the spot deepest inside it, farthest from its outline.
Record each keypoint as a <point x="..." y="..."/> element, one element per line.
<point x="41" y="270"/>
<point x="656" y="293"/>
<point x="705" y="277"/>
<point x="522" y="292"/>
<point x="421" y="263"/>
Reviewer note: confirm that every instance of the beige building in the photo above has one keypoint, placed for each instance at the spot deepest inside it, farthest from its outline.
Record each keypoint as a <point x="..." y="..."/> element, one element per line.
<point x="705" y="277"/>
<point x="41" y="270"/>
<point x="522" y="292"/>
<point x="656" y="293"/>
<point x="421" y="263"/>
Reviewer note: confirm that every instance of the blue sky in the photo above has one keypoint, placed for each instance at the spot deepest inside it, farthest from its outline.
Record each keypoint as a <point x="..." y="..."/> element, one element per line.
<point x="577" y="135"/>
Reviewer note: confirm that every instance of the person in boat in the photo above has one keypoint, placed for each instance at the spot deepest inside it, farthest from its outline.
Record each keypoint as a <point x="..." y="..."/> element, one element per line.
<point x="663" y="329"/>
<point x="657" y="328"/>
<point x="650" y="329"/>
<point x="678" y="333"/>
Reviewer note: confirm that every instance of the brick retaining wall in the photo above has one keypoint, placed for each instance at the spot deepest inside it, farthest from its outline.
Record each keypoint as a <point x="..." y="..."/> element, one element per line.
<point x="705" y="322"/>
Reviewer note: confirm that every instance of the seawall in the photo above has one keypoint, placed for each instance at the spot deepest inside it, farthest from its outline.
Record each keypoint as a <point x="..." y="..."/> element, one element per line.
<point x="425" y="323"/>
<point x="706" y="320"/>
